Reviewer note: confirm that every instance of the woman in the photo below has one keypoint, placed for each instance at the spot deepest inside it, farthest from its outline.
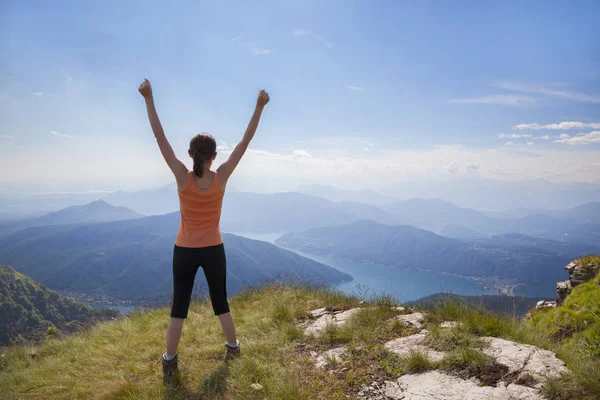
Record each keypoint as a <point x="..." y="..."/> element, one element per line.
<point x="199" y="242"/>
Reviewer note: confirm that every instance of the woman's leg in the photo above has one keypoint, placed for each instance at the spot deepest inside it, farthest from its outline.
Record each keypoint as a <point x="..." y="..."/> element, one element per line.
<point x="174" y="335"/>
<point x="185" y="267"/>
<point x="215" y="270"/>
<point x="226" y="321"/>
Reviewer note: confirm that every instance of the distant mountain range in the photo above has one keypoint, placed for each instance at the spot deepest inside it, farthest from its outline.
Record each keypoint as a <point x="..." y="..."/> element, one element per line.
<point x="96" y="211"/>
<point x="523" y="259"/>
<point x="160" y="200"/>
<point x="576" y="225"/>
<point x="285" y="212"/>
<point x="334" y="194"/>
<point x="131" y="259"/>
<point x="29" y="308"/>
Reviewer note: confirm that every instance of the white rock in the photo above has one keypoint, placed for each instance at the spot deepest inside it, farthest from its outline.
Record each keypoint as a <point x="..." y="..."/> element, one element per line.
<point x="402" y="346"/>
<point x="434" y="385"/>
<point x="318" y="326"/>
<point x="539" y="363"/>
<point x="336" y="355"/>
<point x="450" y="324"/>
<point x="256" y="386"/>
<point x="319" y="312"/>
<point x="399" y="309"/>
<point x="414" y="319"/>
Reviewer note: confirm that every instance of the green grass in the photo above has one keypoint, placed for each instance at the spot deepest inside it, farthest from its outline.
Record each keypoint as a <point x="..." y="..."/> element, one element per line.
<point x="450" y="339"/>
<point x="416" y="362"/>
<point x="121" y="359"/>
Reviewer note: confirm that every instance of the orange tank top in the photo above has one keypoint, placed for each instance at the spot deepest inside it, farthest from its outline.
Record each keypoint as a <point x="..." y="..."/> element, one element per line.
<point x="200" y="214"/>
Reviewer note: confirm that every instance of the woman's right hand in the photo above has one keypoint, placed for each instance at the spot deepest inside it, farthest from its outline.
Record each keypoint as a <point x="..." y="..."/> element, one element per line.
<point x="145" y="89"/>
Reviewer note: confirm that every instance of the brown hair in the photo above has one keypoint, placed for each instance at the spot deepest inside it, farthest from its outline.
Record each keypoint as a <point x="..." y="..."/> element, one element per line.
<point x="202" y="148"/>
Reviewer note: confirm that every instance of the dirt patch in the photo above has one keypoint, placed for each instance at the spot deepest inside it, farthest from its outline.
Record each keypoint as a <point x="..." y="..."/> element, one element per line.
<point x="489" y="373"/>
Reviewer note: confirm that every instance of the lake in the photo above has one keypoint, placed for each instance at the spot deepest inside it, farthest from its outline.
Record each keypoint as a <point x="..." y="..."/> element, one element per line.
<point x="403" y="284"/>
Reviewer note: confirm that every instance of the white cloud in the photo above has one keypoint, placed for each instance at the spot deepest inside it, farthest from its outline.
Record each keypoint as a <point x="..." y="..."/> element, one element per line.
<point x="301" y="153"/>
<point x="585" y="138"/>
<point x="308" y="33"/>
<point x="59" y="134"/>
<point x="471" y="168"/>
<point x="326" y="166"/>
<point x="514" y="135"/>
<point x="548" y="90"/>
<point x="355" y="88"/>
<point x="509" y="144"/>
<point x="453" y="168"/>
<point x="530" y="143"/>
<point x="37" y="94"/>
<point x="505" y="100"/>
<point x="545" y="137"/>
<point x="565" y="125"/>
<point x="6" y="136"/>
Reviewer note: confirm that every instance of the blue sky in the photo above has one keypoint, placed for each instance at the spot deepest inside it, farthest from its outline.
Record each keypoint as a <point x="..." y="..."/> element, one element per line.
<point x="390" y="90"/>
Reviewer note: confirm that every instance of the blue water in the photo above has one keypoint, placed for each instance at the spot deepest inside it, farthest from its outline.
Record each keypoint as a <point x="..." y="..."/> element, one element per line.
<point x="403" y="284"/>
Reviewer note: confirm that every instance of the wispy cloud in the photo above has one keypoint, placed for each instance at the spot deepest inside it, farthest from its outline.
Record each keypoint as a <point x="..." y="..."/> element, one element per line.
<point x="548" y="90"/>
<point x="37" y="94"/>
<point x="545" y="137"/>
<point x="59" y="134"/>
<point x="560" y="126"/>
<point x="505" y="100"/>
<point x="581" y="138"/>
<point x="308" y="33"/>
<point x="514" y="135"/>
<point x="6" y="136"/>
<point x="355" y="88"/>
<point x="253" y="47"/>
<point x="509" y="144"/>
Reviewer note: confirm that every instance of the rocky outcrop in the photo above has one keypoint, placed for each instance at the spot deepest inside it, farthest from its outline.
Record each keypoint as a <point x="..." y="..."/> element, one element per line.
<point x="521" y="369"/>
<point x="404" y="345"/>
<point x="525" y="362"/>
<point x="580" y="271"/>
<point x="437" y="385"/>
<point x="562" y="291"/>
<point x="325" y="317"/>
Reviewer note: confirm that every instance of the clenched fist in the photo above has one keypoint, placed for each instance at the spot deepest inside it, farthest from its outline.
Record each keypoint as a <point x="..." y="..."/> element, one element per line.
<point x="145" y="89"/>
<point x="263" y="98"/>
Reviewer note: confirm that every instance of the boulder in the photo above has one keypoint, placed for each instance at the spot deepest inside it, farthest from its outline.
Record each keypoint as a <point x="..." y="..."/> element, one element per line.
<point x="336" y="355"/>
<point x="414" y="320"/>
<point x="562" y="291"/>
<point x="525" y="360"/>
<point x="326" y="318"/>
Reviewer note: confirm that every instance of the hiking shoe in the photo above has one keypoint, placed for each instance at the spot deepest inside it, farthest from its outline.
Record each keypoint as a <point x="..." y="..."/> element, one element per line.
<point x="170" y="368"/>
<point x="232" y="352"/>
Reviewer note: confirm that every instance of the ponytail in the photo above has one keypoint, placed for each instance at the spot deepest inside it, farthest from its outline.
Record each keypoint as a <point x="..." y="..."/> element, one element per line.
<point x="198" y="158"/>
<point x="203" y="148"/>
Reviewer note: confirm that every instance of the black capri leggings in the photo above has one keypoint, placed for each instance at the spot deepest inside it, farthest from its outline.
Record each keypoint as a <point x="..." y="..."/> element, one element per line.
<point x="186" y="262"/>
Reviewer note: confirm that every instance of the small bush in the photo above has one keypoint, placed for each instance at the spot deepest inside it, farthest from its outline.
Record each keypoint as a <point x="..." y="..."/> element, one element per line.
<point x="416" y="362"/>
